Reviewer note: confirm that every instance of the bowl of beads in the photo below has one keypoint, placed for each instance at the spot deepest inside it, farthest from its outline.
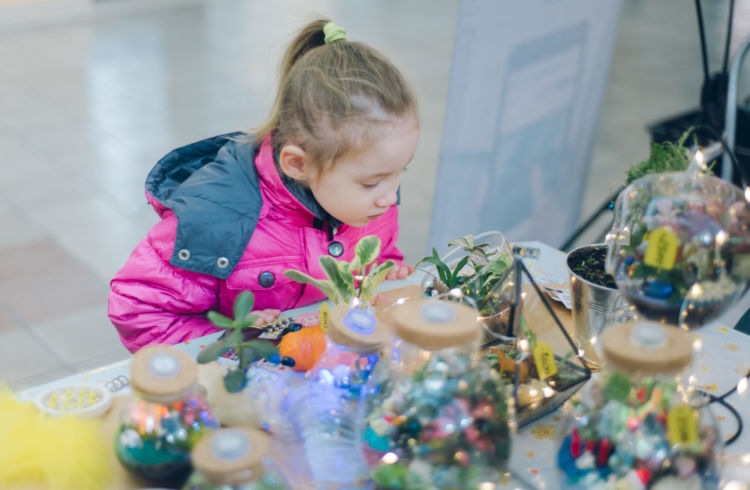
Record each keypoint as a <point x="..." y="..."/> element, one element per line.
<point x="86" y="399"/>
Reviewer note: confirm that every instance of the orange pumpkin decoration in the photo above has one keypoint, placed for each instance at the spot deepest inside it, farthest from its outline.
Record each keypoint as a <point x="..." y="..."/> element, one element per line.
<point x="305" y="346"/>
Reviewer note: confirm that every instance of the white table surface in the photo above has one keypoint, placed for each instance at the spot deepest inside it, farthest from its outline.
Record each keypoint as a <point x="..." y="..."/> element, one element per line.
<point x="724" y="357"/>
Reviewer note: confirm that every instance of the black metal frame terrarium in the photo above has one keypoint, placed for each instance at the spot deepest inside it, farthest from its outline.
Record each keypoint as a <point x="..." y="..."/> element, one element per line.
<point x="537" y="355"/>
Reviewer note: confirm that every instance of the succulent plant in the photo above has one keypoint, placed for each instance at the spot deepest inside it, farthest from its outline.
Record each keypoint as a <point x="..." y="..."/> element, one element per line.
<point x="349" y="280"/>
<point x="247" y="351"/>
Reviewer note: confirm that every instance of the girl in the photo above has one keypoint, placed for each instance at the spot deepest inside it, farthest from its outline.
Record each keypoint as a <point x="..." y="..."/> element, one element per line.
<point x="237" y="211"/>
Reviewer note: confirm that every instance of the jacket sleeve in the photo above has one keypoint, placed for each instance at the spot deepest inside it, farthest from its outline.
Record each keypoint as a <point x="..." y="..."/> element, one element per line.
<point x="152" y="302"/>
<point x="389" y="249"/>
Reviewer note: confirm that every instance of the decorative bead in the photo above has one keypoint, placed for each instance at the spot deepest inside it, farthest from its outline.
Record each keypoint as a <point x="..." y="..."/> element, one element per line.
<point x="287" y="361"/>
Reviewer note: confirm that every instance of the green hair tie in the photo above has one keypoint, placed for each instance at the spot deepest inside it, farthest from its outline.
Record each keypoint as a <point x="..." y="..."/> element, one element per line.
<point x="333" y="33"/>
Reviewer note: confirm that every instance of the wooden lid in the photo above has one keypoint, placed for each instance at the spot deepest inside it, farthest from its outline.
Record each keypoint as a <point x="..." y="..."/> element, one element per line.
<point x="357" y="329"/>
<point x="647" y="347"/>
<point x="436" y="324"/>
<point x="231" y="456"/>
<point x="161" y="372"/>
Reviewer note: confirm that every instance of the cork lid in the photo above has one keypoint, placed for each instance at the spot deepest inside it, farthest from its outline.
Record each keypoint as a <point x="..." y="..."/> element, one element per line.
<point x="436" y="324"/>
<point x="357" y="329"/>
<point x="647" y="347"/>
<point x="161" y="372"/>
<point x="231" y="456"/>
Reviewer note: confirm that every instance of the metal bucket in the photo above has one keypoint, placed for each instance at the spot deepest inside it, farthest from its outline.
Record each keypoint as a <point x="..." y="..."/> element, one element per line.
<point x="594" y="306"/>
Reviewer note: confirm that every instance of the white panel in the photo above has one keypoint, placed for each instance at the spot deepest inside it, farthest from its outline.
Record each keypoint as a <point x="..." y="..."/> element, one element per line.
<point x="526" y="86"/>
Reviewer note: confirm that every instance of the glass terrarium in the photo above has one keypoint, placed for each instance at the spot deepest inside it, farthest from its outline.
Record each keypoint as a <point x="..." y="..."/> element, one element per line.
<point x="641" y="425"/>
<point x="431" y="415"/>
<point x="234" y="459"/>
<point x="472" y="267"/>
<point x="679" y="247"/>
<point x="326" y="417"/>
<point x="165" y="418"/>
<point x="537" y="357"/>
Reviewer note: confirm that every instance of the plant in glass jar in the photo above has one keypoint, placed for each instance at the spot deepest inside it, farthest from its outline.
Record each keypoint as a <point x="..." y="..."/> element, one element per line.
<point x="474" y="266"/>
<point x="349" y="282"/>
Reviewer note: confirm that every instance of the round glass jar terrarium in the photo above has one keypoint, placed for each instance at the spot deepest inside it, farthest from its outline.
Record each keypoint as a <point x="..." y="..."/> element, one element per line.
<point x="679" y="248"/>
<point x="431" y="416"/>
<point x="642" y="425"/>
<point x="326" y="417"/>
<point x="473" y="271"/>
<point x="234" y="459"/>
<point x="165" y="418"/>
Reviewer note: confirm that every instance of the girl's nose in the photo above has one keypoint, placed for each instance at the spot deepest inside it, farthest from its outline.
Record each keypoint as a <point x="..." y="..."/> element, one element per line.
<point x="387" y="200"/>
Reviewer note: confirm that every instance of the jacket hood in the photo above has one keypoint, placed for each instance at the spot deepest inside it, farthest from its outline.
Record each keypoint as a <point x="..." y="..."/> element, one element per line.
<point x="212" y="188"/>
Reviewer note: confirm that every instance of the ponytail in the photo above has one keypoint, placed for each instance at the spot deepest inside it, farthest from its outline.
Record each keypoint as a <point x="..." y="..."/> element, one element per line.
<point x="327" y="88"/>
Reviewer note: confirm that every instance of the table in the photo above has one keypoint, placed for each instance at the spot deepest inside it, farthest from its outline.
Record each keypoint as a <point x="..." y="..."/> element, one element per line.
<point x="722" y="358"/>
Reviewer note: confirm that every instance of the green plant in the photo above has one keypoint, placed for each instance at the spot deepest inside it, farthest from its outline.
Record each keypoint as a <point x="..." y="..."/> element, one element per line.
<point x="669" y="156"/>
<point x="247" y="351"/>
<point x="349" y="280"/>
<point x="476" y="274"/>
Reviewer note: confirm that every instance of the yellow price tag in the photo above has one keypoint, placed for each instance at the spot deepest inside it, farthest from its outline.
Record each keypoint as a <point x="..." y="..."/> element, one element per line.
<point x="681" y="425"/>
<point x="662" y="249"/>
<point x="544" y="360"/>
<point x="325" y="313"/>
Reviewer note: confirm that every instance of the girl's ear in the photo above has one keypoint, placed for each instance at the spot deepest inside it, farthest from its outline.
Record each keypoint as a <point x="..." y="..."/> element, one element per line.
<point x="295" y="163"/>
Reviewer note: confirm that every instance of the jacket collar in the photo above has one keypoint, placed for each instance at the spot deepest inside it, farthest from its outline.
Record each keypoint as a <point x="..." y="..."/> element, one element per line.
<point x="287" y="193"/>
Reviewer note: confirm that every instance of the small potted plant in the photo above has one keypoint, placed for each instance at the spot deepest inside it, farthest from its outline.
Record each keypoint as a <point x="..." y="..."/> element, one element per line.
<point x="349" y="283"/>
<point x="247" y="351"/>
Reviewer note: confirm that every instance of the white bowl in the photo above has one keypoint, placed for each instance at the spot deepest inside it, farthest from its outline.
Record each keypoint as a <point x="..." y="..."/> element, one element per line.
<point x="86" y="399"/>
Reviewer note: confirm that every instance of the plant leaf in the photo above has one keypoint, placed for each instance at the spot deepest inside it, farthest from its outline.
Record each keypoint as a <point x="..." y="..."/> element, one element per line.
<point x="243" y="305"/>
<point x="247" y="355"/>
<point x="342" y="282"/>
<point x="263" y="348"/>
<point x="234" y="381"/>
<point x="212" y="351"/>
<point x="367" y="250"/>
<point x="375" y="277"/>
<point x="219" y="320"/>
<point x="456" y="271"/>
<point x="325" y="287"/>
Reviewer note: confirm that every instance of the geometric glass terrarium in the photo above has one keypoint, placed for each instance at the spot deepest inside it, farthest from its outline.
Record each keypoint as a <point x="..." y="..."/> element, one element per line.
<point x="679" y="247"/>
<point x="538" y="356"/>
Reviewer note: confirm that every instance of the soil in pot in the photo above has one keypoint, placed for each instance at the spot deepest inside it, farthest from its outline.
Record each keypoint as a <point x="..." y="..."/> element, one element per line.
<point x="589" y="264"/>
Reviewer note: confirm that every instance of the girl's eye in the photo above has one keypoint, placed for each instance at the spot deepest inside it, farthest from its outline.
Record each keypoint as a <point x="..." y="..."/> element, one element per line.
<point x="370" y="185"/>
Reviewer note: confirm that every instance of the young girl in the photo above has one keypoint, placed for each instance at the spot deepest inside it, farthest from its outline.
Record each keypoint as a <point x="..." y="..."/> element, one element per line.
<point x="238" y="210"/>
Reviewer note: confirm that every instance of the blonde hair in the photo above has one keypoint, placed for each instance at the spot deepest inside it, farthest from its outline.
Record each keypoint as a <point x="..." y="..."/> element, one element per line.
<point x="331" y="94"/>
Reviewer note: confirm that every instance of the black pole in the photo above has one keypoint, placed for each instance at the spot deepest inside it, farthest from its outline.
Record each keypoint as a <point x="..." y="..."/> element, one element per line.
<point x="702" y="33"/>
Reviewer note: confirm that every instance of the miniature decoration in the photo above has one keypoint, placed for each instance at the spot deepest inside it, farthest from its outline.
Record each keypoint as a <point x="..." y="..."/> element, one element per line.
<point x="349" y="282"/>
<point x="301" y="349"/>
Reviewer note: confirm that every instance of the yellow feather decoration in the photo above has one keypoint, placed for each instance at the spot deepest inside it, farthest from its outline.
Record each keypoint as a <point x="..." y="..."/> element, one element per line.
<point x="53" y="453"/>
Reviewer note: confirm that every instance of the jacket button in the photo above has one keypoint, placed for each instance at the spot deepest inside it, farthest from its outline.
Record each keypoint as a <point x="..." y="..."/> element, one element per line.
<point x="183" y="254"/>
<point x="335" y="249"/>
<point x="222" y="262"/>
<point x="266" y="279"/>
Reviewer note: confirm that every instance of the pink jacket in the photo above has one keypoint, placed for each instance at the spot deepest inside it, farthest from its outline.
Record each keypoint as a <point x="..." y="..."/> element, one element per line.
<point x="227" y="226"/>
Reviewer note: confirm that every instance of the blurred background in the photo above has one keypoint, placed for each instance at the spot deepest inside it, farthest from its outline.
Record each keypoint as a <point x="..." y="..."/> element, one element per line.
<point x="93" y="92"/>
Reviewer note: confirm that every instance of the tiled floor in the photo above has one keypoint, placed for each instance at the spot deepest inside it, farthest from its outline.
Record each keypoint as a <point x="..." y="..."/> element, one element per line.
<point x="86" y="107"/>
